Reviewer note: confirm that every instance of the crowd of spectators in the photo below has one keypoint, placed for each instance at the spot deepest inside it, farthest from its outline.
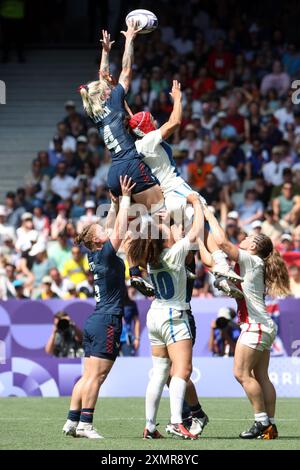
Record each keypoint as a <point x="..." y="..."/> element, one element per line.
<point x="238" y="145"/>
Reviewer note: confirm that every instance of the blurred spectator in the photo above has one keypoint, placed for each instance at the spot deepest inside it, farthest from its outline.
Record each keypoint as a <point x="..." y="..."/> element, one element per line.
<point x="89" y="217"/>
<point x="278" y="80"/>
<point x="19" y="289"/>
<point x="66" y="337"/>
<point x="294" y="273"/>
<point x="62" y="185"/>
<point x="58" y="285"/>
<point x="5" y="228"/>
<point x="26" y="234"/>
<point x="82" y="154"/>
<point x="255" y="160"/>
<point x="41" y="263"/>
<point x="87" y="287"/>
<point x="41" y="222"/>
<point x="56" y="153"/>
<point x="13" y="211"/>
<point x="287" y="207"/>
<point x="191" y="143"/>
<point x="60" y="249"/>
<point x="252" y="209"/>
<point x="273" y="171"/>
<point x="46" y="168"/>
<point x="202" y="282"/>
<point x="73" y="116"/>
<point x="197" y="171"/>
<point x="285" y="244"/>
<point x="130" y="337"/>
<point x="226" y="174"/>
<point x="68" y="142"/>
<point x="72" y="292"/>
<point x="37" y="184"/>
<point x="7" y="279"/>
<point x="224" y="333"/>
<point x="46" y="289"/>
<point x="76" y="268"/>
<point x="271" y="226"/>
<point x="211" y="191"/>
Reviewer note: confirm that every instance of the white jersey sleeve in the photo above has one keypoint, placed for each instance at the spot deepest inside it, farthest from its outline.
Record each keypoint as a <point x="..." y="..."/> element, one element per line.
<point x="176" y="255"/>
<point x="149" y="142"/>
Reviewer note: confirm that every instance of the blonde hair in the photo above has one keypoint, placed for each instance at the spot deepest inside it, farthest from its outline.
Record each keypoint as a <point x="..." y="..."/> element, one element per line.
<point x="86" y="237"/>
<point x="91" y="97"/>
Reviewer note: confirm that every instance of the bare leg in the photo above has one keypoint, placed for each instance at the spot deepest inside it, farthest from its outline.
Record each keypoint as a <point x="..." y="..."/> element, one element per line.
<point x="261" y="374"/>
<point x="151" y="197"/>
<point x="245" y="360"/>
<point x="99" y="369"/>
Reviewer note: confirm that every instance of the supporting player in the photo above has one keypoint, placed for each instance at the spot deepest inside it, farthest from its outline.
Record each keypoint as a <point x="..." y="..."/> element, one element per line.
<point x="157" y="154"/>
<point x="264" y="271"/>
<point x="167" y="321"/>
<point x="104" y="103"/>
<point x="102" y="331"/>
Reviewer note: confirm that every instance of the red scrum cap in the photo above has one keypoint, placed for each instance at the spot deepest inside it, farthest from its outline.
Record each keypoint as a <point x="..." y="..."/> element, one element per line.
<point x="141" y="123"/>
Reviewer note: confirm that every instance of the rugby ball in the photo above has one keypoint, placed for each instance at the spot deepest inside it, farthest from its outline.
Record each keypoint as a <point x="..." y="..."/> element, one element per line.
<point x="145" y="19"/>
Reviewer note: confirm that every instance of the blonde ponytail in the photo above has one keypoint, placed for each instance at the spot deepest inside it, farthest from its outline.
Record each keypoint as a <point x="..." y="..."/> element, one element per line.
<point x="91" y="97"/>
<point x="86" y="237"/>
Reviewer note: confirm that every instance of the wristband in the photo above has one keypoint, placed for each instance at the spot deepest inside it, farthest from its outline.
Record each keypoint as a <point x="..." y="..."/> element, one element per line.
<point x="125" y="203"/>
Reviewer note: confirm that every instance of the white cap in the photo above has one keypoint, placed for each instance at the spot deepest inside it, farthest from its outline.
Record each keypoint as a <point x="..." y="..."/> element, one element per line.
<point x="47" y="280"/>
<point x="38" y="248"/>
<point x="224" y="312"/>
<point x="256" y="224"/>
<point x="82" y="139"/>
<point x="233" y="215"/>
<point x="26" y="216"/>
<point x="69" y="285"/>
<point x="221" y="114"/>
<point x="286" y="236"/>
<point x="89" y="205"/>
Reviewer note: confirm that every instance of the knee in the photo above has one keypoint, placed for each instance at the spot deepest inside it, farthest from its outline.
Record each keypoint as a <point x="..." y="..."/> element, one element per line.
<point x="184" y="372"/>
<point x="161" y="368"/>
<point x="240" y="375"/>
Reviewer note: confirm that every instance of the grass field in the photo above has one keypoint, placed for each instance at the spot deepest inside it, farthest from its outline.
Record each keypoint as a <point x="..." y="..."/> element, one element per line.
<point x="36" y="423"/>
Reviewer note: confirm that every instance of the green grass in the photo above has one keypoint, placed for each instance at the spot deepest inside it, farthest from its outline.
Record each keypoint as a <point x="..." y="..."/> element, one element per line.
<point x="36" y="423"/>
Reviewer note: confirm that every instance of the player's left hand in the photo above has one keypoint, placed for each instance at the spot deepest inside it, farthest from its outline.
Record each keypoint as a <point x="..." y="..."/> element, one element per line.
<point x="176" y="90"/>
<point x="133" y="29"/>
<point x="105" y="41"/>
<point x="126" y="185"/>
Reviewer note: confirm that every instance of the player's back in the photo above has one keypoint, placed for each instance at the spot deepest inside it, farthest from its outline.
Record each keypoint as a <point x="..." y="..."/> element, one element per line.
<point x="110" y="124"/>
<point x="158" y="155"/>
<point x="109" y="280"/>
<point x="169" y="278"/>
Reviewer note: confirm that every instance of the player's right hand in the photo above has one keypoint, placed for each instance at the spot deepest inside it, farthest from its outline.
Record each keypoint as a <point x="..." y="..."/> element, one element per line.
<point x="133" y="29"/>
<point x="176" y="90"/>
<point x="126" y="185"/>
<point x="105" y="41"/>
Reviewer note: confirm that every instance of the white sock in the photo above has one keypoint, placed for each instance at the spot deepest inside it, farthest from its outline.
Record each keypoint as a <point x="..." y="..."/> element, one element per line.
<point x="161" y="370"/>
<point x="177" y="390"/>
<point x="272" y="420"/>
<point x="219" y="258"/>
<point x="262" y="418"/>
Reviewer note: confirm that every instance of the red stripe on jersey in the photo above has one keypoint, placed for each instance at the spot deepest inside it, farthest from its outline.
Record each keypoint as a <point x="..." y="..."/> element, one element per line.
<point x="243" y="315"/>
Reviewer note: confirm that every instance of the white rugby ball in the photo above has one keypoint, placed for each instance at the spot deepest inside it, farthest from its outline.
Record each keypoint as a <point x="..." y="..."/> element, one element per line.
<point x="145" y="19"/>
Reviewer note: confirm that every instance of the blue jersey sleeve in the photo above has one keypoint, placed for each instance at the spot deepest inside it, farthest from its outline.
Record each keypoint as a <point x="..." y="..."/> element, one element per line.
<point x="116" y="100"/>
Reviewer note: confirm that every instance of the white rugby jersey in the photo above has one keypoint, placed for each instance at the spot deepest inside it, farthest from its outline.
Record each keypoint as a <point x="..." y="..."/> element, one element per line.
<point x="252" y="309"/>
<point x="159" y="157"/>
<point x="169" y="279"/>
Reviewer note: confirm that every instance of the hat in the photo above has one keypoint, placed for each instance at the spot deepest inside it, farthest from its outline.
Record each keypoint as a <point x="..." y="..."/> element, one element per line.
<point x="92" y="131"/>
<point x="196" y="116"/>
<point x="70" y="104"/>
<point x="38" y="248"/>
<point x="277" y="150"/>
<point x="89" y="205"/>
<point x="225" y="312"/>
<point x="69" y="285"/>
<point x="47" y="280"/>
<point x="177" y="153"/>
<point x="256" y="224"/>
<point x="18" y="283"/>
<point x="2" y="211"/>
<point x="190" y="128"/>
<point x="233" y="215"/>
<point x="286" y="236"/>
<point x="82" y="139"/>
<point x="221" y="115"/>
<point x="57" y="138"/>
<point x="61" y="206"/>
<point x="141" y="123"/>
<point x="26" y="216"/>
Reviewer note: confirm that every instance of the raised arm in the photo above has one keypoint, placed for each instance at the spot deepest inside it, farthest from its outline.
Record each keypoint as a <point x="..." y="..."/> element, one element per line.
<point x="175" y="118"/>
<point x="198" y="222"/>
<point x="106" y="47"/>
<point x="121" y="224"/>
<point x="112" y="214"/>
<point x="128" y="56"/>
<point x="219" y="235"/>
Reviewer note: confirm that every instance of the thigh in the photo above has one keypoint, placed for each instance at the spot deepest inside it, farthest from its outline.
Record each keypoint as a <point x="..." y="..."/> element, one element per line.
<point x="104" y="333"/>
<point x="260" y="371"/>
<point x="176" y="327"/>
<point x="141" y="175"/>
<point x="180" y="353"/>
<point x="245" y="358"/>
<point x="160" y="351"/>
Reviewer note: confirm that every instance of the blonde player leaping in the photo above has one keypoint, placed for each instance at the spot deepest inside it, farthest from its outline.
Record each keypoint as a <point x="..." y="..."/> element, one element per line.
<point x="264" y="271"/>
<point x="157" y="154"/>
<point x="167" y="320"/>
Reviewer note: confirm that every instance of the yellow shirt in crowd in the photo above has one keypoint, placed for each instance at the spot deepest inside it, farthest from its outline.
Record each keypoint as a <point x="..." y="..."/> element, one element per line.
<point x="75" y="271"/>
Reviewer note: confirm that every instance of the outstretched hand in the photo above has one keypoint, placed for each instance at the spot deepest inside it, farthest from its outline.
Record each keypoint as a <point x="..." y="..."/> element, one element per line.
<point x="176" y="90"/>
<point x="133" y="29"/>
<point x="126" y="185"/>
<point x="105" y="41"/>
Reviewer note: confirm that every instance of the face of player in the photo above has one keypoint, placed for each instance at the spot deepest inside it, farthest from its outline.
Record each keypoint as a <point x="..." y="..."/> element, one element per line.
<point x="248" y="244"/>
<point x="106" y="93"/>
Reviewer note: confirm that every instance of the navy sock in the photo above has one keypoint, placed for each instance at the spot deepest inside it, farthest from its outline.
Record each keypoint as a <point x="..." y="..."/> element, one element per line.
<point x="135" y="271"/>
<point x="74" y="415"/>
<point x="186" y="410"/>
<point x="87" y="415"/>
<point x="197" y="411"/>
